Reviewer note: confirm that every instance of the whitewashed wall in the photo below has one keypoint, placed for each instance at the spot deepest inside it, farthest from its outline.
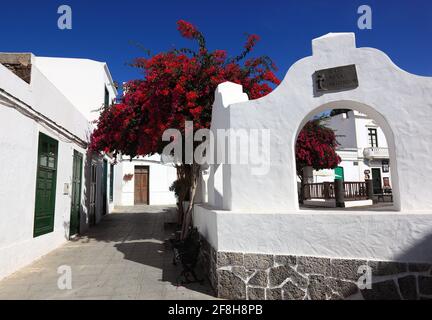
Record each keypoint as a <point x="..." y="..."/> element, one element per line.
<point x="19" y="136"/>
<point x="345" y="129"/>
<point x="82" y="81"/>
<point x="402" y="112"/>
<point x="260" y="214"/>
<point x="19" y="142"/>
<point x="386" y="236"/>
<point x="161" y="178"/>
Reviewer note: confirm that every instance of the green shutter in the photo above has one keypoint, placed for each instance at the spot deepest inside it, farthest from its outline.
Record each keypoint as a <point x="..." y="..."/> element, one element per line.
<point x="46" y="180"/>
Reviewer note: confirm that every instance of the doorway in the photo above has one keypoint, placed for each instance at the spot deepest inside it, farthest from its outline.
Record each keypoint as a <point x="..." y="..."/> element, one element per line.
<point x="142" y="180"/>
<point x="76" y="194"/>
<point x="46" y="181"/>
<point x="104" y="187"/>
<point x="376" y="180"/>
<point x="92" y="199"/>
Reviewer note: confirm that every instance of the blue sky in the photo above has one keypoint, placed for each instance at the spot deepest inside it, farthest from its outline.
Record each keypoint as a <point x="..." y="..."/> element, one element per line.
<point x="103" y="30"/>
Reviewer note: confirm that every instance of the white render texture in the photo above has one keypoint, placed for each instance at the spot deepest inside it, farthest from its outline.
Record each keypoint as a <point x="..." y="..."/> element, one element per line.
<point x="260" y="214"/>
<point x="81" y="81"/>
<point x="387" y="236"/>
<point x="161" y="178"/>
<point x="399" y="102"/>
<point x="19" y="135"/>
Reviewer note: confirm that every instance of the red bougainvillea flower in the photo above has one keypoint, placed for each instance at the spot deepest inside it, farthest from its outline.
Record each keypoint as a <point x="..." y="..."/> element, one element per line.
<point x="316" y="147"/>
<point x="177" y="86"/>
<point x="251" y="41"/>
<point x="187" y="30"/>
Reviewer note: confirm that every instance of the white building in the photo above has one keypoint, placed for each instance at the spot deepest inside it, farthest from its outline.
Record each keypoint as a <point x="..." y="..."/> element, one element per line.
<point x="51" y="187"/>
<point x="253" y="221"/>
<point x="363" y="149"/>
<point x="144" y="181"/>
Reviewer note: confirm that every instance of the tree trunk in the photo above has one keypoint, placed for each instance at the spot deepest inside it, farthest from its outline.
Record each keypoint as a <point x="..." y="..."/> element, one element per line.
<point x="181" y="195"/>
<point x="187" y="221"/>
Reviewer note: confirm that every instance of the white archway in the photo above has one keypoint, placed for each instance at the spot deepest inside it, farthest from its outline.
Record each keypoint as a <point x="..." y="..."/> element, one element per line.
<point x="382" y="123"/>
<point x="254" y="219"/>
<point x="400" y="102"/>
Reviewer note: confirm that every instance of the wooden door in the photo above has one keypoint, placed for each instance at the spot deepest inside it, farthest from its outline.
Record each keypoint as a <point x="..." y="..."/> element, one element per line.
<point x="76" y="193"/>
<point x="45" y="186"/>
<point x="141" y="185"/>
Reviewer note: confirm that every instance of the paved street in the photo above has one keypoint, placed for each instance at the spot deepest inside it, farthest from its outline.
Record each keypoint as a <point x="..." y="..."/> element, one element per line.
<point x="124" y="257"/>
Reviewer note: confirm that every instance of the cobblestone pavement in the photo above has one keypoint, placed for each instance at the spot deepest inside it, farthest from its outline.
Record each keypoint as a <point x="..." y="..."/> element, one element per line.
<point x="123" y="257"/>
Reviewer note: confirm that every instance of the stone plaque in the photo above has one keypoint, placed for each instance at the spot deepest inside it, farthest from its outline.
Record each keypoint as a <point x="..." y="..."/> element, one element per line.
<point x="339" y="78"/>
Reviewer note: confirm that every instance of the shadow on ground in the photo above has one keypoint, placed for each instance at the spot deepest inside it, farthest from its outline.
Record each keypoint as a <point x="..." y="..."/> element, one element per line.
<point x="142" y="235"/>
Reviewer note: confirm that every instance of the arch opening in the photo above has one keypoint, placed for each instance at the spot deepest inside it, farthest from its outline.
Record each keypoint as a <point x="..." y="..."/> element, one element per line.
<point x="365" y="178"/>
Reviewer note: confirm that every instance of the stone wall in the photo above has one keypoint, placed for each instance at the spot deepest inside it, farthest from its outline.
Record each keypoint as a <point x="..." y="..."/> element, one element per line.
<point x="275" y="277"/>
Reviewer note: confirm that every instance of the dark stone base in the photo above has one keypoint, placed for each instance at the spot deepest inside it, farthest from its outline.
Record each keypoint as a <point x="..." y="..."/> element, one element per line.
<point x="244" y="276"/>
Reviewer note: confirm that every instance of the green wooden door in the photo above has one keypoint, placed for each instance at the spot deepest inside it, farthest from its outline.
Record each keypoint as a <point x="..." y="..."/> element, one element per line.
<point x="105" y="187"/>
<point x="76" y="193"/>
<point x="45" y="185"/>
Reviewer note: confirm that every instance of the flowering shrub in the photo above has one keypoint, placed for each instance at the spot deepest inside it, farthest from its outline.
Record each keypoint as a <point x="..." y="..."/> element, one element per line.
<point x="178" y="85"/>
<point x="316" y="147"/>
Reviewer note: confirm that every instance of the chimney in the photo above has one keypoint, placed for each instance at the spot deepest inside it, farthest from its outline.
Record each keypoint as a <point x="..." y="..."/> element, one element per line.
<point x="18" y="63"/>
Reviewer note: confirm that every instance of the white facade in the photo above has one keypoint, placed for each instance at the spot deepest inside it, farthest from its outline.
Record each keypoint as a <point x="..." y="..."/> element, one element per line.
<point x="253" y="213"/>
<point x="161" y="176"/>
<point x="26" y="110"/>
<point x="357" y="153"/>
<point x="84" y="84"/>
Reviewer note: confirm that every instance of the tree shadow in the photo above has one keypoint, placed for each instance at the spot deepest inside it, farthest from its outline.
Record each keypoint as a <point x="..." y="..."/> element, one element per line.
<point x="143" y="237"/>
<point x="420" y="252"/>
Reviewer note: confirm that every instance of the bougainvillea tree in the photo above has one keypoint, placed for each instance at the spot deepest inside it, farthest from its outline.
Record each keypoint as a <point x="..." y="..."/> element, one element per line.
<point x="316" y="147"/>
<point x="178" y="86"/>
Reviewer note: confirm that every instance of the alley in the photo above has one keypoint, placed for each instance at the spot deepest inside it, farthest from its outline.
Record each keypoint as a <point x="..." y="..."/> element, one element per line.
<point x="124" y="257"/>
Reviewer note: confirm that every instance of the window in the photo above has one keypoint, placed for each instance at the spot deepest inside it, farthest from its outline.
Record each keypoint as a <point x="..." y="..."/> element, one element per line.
<point x="373" y="137"/>
<point x="106" y="101"/>
<point x="111" y="195"/>
<point x="46" y="180"/>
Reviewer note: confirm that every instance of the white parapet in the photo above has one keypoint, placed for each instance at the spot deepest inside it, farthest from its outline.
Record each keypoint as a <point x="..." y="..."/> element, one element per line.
<point x="387" y="236"/>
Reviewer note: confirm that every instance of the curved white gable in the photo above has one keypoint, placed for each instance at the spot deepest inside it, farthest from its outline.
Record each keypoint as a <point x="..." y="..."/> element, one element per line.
<point x="400" y="102"/>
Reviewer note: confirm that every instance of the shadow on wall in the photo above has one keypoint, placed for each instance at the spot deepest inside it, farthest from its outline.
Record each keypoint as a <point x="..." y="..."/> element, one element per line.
<point x="143" y="238"/>
<point x="422" y="248"/>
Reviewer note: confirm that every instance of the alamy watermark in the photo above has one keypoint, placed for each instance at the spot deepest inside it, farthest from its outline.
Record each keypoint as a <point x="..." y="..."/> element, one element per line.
<point x="365" y="20"/>
<point x="64" y="22"/>
<point x="64" y="282"/>
<point x="221" y="146"/>
<point x="365" y="280"/>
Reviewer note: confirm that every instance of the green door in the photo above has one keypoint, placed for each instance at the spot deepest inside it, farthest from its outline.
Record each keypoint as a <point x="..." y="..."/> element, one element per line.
<point x="376" y="180"/>
<point x="45" y="185"/>
<point x="105" y="187"/>
<point x="76" y="193"/>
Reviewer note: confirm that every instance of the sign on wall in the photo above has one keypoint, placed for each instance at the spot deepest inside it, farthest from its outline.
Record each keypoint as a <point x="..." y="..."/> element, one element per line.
<point x="385" y="165"/>
<point x="339" y="78"/>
